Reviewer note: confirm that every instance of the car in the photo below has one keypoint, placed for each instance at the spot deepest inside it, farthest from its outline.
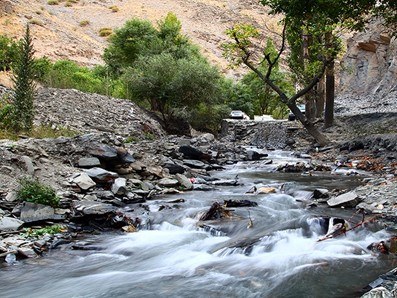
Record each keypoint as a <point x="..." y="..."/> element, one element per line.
<point x="291" y="116"/>
<point x="237" y="114"/>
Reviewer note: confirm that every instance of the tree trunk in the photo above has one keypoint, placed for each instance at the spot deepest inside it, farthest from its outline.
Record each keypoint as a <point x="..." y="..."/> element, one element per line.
<point x="329" y="87"/>
<point x="329" y="96"/>
<point x="320" y="100"/>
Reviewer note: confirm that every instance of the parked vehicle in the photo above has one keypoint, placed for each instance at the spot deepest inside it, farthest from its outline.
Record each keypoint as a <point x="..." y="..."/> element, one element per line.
<point x="237" y="114"/>
<point x="301" y="107"/>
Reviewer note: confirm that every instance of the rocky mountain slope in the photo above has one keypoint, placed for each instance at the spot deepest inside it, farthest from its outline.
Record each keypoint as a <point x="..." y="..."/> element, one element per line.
<point x="72" y="30"/>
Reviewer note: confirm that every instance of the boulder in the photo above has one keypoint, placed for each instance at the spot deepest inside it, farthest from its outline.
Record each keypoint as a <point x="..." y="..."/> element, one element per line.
<point x="89" y="162"/>
<point x="101" y="175"/>
<point x="184" y="181"/>
<point x="10" y="224"/>
<point x="31" y="212"/>
<point x="83" y="181"/>
<point x="93" y="207"/>
<point x="349" y="199"/>
<point x="168" y="182"/>
<point x="119" y="187"/>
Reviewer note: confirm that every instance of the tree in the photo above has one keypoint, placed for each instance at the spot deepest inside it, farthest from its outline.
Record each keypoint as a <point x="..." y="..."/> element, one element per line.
<point x="168" y="85"/>
<point x="24" y="86"/>
<point x="8" y="53"/>
<point x="244" y="49"/>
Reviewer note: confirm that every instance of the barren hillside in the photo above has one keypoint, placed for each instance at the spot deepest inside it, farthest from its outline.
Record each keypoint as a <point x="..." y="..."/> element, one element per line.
<point x="58" y="31"/>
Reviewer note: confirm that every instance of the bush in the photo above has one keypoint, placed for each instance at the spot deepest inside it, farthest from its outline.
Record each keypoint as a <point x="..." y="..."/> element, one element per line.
<point x="105" y="32"/>
<point x="9" y="52"/>
<point x="114" y="8"/>
<point x="53" y="2"/>
<point x="32" y="190"/>
<point x="84" y="23"/>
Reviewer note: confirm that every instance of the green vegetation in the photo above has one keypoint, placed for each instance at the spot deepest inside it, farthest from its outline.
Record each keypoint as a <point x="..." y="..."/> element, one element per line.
<point x="105" y="32"/>
<point x="84" y="23"/>
<point x="22" y="102"/>
<point x="52" y="2"/>
<point x="36" y="233"/>
<point x="32" y="190"/>
<point x="114" y="8"/>
<point x="9" y="51"/>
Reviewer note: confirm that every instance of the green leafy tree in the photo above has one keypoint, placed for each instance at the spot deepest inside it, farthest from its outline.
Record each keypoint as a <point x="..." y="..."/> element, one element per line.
<point x="24" y="86"/>
<point x="167" y="84"/>
<point x="9" y="52"/>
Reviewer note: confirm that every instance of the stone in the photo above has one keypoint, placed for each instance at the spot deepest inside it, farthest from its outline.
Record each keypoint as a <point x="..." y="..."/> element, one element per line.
<point x="184" y="181"/>
<point x="10" y="224"/>
<point x="119" y="187"/>
<point x="92" y="207"/>
<point x="124" y="155"/>
<point x="11" y="196"/>
<point x="31" y="212"/>
<point x="84" y="181"/>
<point x="254" y="155"/>
<point x="103" y="151"/>
<point x="193" y="153"/>
<point x="320" y="193"/>
<point x="194" y="163"/>
<point x="349" y="199"/>
<point x="89" y="162"/>
<point x="168" y="182"/>
<point x="266" y="190"/>
<point x="101" y="175"/>
<point x="27" y="252"/>
<point x="174" y="168"/>
<point x="28" y="164"/>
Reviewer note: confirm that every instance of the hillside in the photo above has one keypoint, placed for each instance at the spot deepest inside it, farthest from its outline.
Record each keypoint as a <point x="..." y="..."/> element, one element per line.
<point x="59" y="34"/>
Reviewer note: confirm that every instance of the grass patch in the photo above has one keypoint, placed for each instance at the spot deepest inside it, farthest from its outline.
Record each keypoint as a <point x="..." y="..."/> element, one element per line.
<point x="39" y="132"/>
<point x="84" y="23"/>
<point x="32" y="190"/>
<point x="36" y="233"/>
<point x="105" y="32"/>
<point x="114" y="8"/>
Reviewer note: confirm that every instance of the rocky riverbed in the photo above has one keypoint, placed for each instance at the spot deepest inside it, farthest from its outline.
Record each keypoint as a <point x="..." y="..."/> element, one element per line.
<point x="121" y="157"/>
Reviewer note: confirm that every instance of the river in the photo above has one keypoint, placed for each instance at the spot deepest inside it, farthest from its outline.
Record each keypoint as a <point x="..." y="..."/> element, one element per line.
<point x="271" y="250"/>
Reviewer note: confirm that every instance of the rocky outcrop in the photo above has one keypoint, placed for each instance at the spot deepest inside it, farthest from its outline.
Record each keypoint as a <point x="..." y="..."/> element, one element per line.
<point x="370" y="63"/>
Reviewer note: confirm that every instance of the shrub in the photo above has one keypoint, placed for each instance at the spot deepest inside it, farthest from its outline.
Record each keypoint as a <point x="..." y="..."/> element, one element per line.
<point x="84" y="23"/>
<point x="36" y="233"/>
<point x="114" y="8"/>
<point x="105" y="32"/>
<point x="53" y="2"/>
<point x="32" y="190"/>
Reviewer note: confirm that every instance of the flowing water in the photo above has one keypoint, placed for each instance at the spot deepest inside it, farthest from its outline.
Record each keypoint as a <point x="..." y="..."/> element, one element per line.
<point x="270" y="250"/>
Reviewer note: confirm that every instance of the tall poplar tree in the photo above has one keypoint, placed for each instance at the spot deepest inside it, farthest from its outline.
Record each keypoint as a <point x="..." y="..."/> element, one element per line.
<point x="24" y="86"/>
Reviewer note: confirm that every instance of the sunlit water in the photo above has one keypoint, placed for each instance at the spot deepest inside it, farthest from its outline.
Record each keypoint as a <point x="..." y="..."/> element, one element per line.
<point x="279" y="256"/>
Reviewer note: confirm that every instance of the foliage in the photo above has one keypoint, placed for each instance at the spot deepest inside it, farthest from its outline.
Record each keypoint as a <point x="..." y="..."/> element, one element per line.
<point x="5" y="111"/>
<point x="208" y="117"/>
<point x="38" y="132"/>
<point x="9" y="51"/>
<point x="24" y="87"/>
<point x="105" y="31"/>
<point x="36" y="233"/>
<point x="32" y="190"/>
<point x="138" y="38"/>
<point x="167" y="84"/>
<point x="52" y="2"/>
<point x="84" y="23"/>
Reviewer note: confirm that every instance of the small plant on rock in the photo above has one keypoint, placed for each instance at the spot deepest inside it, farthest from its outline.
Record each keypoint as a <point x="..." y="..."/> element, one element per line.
<point x="32" y="190"/>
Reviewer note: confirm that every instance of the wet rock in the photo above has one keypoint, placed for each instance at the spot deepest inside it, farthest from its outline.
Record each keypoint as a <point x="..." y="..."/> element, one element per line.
<point x="216" y="211"/>
<point x="254" y="155"/>
<point x="320" y="193"/>
<point x="239" y="203"/>
<point x="89" y="162"/>
<point x="266" y="190"/>
<point x="10" y="224"/>
<point x="349" y="199"/>
<point x="104" y="152"/>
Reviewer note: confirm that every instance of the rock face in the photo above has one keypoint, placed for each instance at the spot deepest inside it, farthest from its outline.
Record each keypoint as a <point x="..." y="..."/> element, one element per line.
<point x="370" y="63"/>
